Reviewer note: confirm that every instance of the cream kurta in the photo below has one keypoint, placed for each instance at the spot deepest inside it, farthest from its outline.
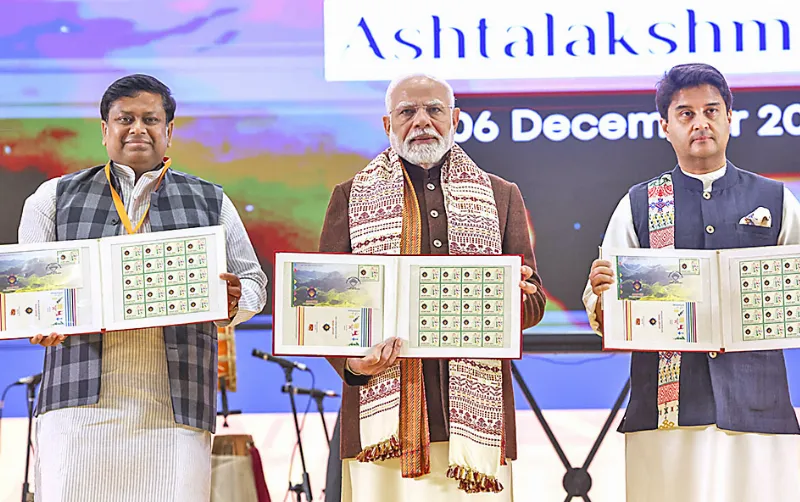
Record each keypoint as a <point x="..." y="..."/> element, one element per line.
<point x="705" y="464"/>
<point x="127" y="447"/>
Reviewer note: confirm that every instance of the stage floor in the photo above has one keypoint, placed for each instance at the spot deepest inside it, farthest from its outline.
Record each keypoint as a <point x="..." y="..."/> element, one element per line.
<point x="537" y="473"/>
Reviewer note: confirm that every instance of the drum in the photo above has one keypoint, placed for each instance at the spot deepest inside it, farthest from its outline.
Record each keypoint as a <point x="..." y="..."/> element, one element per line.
<point x="237" y="445"/>
<point x="233" y="477"/>
<point x="226" y="359"/>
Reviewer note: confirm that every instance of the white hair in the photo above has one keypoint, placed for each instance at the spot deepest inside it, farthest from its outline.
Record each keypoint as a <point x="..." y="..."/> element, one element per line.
<point x="397" y="81"/>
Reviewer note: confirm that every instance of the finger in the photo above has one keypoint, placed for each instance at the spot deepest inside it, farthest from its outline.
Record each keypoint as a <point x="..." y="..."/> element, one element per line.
<point x="36" y="339"/>
<point x="398" y="343"/>
<point x="51" y="340"/>
<point x="601" y="279"/>
<point x="236" y="292"/>
<point x="527" y="272"/>
<point x="598" y="290"/>
<point x="601" y="263"/>
<point x="602" y="274"/>
<point x="232" y="279"/>
<point x="528" y="288"/>
<point x="369" y="361"/>
<point x="602" y="269"/>
<point x="374" y="356"/>
<point x="386" y="353"/>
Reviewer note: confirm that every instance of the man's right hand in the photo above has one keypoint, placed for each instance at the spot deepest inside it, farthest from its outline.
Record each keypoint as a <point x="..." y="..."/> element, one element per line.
<point x="380" y="358"/>
<point x="47" y="341"/>
<point x="601" y="277"/>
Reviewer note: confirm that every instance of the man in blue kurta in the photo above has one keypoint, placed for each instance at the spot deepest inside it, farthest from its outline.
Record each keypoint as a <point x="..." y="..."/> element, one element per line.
<point x="704" y="427"/>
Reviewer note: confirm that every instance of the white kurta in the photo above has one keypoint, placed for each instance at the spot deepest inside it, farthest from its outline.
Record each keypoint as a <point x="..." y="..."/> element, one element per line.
<point x="382" y="481"/>
<point x="127" y="447"/>
<point x="705" y="464"/>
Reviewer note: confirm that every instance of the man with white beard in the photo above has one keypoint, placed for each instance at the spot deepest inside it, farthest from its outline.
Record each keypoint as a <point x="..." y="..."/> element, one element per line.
<point x="431" y="429"/>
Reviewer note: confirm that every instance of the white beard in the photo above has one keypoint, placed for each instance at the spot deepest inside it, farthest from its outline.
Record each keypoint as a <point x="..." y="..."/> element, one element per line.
<point x="426" y="154"/>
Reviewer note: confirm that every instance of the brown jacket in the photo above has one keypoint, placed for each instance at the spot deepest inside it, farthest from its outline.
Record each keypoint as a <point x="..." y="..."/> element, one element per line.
<point x="335" y="238"/>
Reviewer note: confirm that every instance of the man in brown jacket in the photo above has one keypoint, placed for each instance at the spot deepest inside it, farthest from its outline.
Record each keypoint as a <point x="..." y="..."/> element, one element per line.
<point x="424" y="195"/>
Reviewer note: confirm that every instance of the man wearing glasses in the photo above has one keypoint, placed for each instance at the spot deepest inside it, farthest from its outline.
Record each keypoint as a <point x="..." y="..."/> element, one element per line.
<point x="431" y="429"/>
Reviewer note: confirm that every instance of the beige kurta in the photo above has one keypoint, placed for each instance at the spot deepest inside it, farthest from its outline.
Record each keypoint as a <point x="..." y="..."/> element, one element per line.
<point x="127" y="447"/>
<point x="706" y="464"/>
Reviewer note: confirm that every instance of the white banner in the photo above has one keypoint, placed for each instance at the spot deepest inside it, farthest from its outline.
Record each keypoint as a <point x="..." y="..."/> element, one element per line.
<point x="378" y="40"/>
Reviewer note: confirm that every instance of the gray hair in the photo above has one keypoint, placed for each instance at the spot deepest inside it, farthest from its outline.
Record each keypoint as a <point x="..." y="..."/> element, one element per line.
<point x="399" y="80"/>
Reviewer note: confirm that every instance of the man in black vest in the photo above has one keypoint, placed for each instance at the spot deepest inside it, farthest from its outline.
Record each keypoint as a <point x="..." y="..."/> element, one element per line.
<point x="704" y="427"/>
<point x="145" y="433"/>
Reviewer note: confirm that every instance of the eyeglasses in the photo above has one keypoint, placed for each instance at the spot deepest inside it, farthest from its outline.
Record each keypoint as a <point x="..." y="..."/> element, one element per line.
<point x="435" y="112"/>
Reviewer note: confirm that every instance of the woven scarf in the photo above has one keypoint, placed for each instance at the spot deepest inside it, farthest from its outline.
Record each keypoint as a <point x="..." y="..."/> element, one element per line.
<point x="661" y="223"/>
<point x="385" y="219"/>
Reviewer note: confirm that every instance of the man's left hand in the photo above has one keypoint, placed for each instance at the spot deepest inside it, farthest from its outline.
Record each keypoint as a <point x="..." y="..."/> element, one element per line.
<point x="234" y="292"/>
<point x="527" y="287"/>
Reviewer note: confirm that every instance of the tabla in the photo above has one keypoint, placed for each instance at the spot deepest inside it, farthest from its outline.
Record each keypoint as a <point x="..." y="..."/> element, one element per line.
<point x="226" y="359"/>
<point x="236" y="471"/>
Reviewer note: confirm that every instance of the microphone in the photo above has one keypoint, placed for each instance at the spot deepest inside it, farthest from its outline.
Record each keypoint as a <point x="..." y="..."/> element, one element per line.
<point x="29" y="380"/>
<point x="315" y="393"/>
<point x="279" y="360"/>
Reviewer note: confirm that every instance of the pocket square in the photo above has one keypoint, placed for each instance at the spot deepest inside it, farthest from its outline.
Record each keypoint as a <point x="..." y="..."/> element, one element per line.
<point x="761" y="217"/>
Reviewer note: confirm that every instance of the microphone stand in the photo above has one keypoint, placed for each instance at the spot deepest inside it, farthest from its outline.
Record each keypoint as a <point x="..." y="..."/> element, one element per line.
<point x="318" y="398"/>
<point x="225" y="412"/>
<point x="305" y="486"/>
<point x="31" y="391"/>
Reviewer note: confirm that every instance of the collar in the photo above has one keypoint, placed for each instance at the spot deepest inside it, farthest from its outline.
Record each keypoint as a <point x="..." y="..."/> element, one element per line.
<point x="416" y="172"/>
<point x="686" y="182"/>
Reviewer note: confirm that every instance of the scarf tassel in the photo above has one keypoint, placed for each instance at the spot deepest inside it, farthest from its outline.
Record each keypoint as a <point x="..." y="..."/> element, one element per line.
<point x="381" y="451"/>
<point x="474" y="482"/>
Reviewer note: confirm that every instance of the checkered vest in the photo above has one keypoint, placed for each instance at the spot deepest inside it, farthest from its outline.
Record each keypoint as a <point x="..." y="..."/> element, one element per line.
<point x="85" y="210"/>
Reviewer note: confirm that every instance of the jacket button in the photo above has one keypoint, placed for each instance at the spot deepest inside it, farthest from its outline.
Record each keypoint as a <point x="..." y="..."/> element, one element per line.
<point x="706" y="195"/>
<point x="435" y="213"/>
<point x="710" y="229"/>
<point x="712" y="355"/>
<point x="437" y="243"/>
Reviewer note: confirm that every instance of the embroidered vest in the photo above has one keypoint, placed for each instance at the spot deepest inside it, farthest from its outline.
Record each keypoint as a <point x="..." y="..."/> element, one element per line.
<point x="746" y="391"/>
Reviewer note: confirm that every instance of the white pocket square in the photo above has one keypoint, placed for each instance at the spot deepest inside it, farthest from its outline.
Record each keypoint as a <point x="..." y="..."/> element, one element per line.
<point x="761" y="217"/>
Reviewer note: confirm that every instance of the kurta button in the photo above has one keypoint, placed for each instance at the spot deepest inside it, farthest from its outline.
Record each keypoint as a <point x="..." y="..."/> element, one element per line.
<point x="431" y="186"/>
<point x="437" y="243"/>
<point x="435" y="213"/>
<point x="706" y="195"/>
<point x="712" y="355"/>
<point x="710" y="229"/>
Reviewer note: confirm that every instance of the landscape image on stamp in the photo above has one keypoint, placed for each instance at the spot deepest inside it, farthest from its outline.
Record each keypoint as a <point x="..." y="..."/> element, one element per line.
<point x="337" y="285"/>
<point x="644" y="278"/>
<point x="32" y="271"/>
